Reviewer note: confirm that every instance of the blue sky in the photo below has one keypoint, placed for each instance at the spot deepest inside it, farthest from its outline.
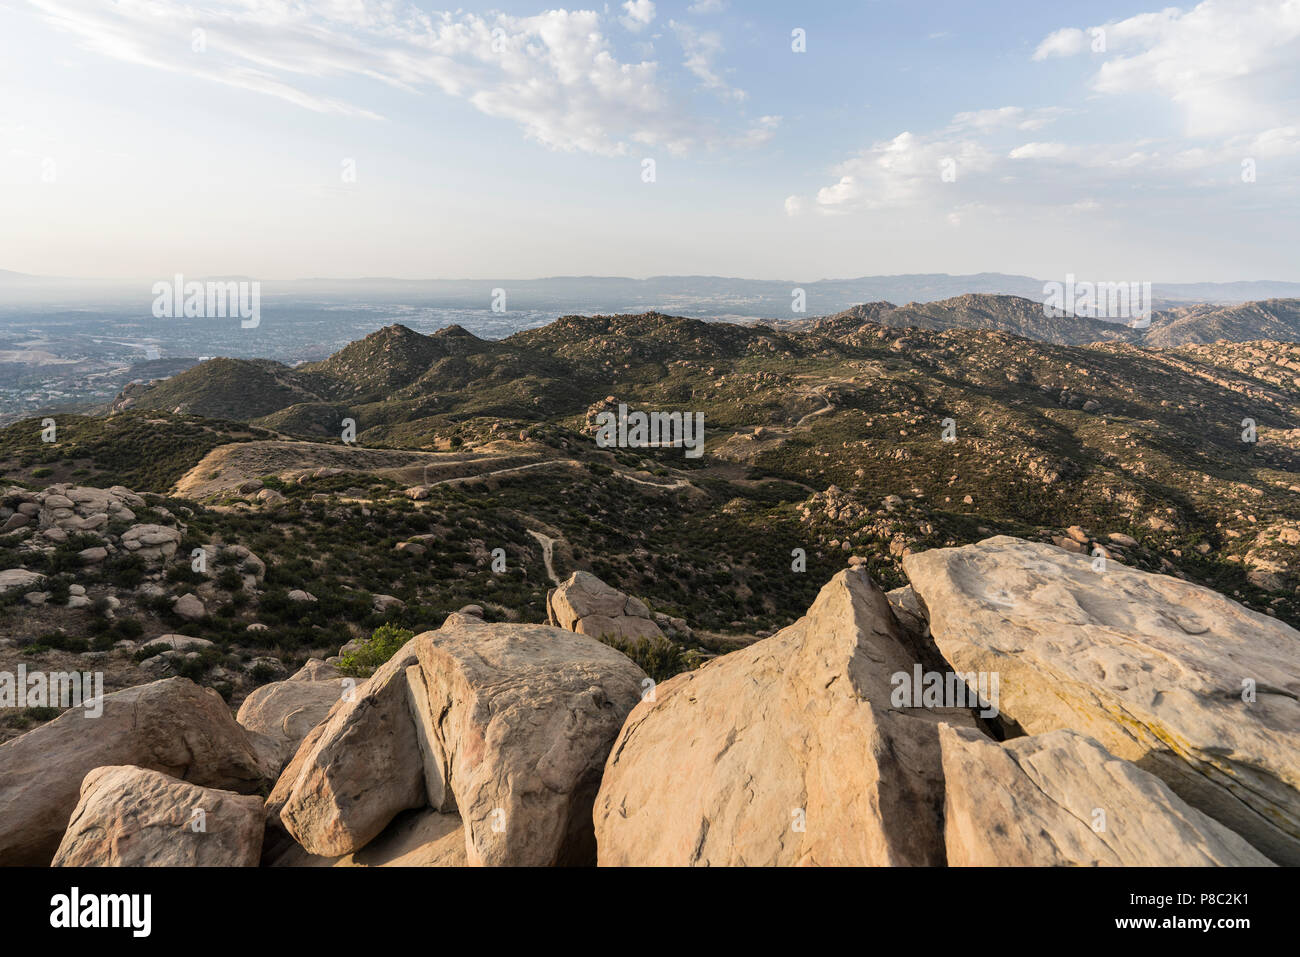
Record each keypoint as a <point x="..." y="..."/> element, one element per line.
<point x="1104" y="139"/>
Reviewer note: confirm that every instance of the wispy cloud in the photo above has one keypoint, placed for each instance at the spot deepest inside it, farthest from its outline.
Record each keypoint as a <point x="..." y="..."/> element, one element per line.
<point x="556" y="75"/>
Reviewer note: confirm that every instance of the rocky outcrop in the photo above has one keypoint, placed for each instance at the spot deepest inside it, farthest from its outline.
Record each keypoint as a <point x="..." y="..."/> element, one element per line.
<point x="131" y="817"/>
<point x="425" y="838"/>
<point x="585" y="604"/>
<point x="508" y="725"/>
<point x="789" y="751"/>
<point x="280" y="714"/>
<point x="518" y="722"/>
<point x="1060" y="799"/>
<point x="360" y="771"/>
<point x="1188" y="684"/>
<point x="172" y="726"/>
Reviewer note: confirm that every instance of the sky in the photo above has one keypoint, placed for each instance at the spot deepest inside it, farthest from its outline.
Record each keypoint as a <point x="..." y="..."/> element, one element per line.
<point x="1116" y="141"/>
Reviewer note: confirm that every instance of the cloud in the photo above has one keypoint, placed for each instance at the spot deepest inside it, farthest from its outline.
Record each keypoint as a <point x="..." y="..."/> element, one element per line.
<point x="555" y="75"/>
<point x="1229" y="65"/>
<point x="984" y="121"/>
<point x="701" y="7"/>
<point x="639" y="14"/>
<point x="702" y="47"/>
<point x="1066" y="42"/>
<point x="905" y="171"/>
<point x="1039" y="151"/>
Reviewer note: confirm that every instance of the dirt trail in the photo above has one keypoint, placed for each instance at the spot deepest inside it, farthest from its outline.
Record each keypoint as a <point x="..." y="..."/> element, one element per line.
<point x="548" y="552"/>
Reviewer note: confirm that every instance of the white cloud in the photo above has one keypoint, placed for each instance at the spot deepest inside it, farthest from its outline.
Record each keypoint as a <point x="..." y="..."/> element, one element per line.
<point x="555" y="74"/>
<point x="793" y="206"/>
<point x="702" y="47"/>
<point x="905" y="171"/>
<point x="983" y="121"/>
<point x="1229" y="65"/>
<point x="706" y="6"/>
<point x="639" y="14"/>
<point x="1039" y="151"/>
<point x="1066" y="42"/>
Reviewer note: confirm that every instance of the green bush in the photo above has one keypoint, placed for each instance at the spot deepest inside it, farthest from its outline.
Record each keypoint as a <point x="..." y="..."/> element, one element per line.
<point x="386" y="641"/>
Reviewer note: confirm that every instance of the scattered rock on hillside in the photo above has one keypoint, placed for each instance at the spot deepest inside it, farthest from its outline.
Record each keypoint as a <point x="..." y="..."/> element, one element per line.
<point x="587" y="605"/>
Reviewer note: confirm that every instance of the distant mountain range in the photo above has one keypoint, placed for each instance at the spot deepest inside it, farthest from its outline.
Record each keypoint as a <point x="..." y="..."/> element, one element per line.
<point x="397" y="375"/>
<point x="704" y="296"/>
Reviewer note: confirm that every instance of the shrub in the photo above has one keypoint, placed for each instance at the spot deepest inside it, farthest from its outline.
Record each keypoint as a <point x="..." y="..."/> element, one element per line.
<point x="386" y="641"/>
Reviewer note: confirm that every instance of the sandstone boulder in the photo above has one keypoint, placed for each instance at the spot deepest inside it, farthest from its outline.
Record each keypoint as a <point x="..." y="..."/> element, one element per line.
<point x="131" y="817"/>
<point x="357" y="770"/>
<point x="516" y="725"/>
<point x="585" y="604"/>
<point x="424" y="838"/>
<point x="173" y="726"/>
<point x="789" y="751"/>
<point x="283" y="712"/>
<point x="1060" y="799"/>
<point x="1188" y="684"/>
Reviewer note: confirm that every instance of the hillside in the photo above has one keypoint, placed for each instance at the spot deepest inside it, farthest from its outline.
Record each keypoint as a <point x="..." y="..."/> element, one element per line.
<point x="1276" y="319"/>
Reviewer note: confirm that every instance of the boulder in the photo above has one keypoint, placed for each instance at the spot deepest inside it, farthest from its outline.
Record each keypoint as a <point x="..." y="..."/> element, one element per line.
<point x="132" y="817"/>
<point x="173" y="726"/>
<point x="189" y="607"/>
<point x="1060" y="799"/>
<point x="359" y="771"/>
<point x="1188" y="684"/>
<point x="585" y="604"/>
<point x="19" y="579"/>
<point x="507" y="724"/>
<point x="517" y="722"/>
<point x="424" y="838"/>
<point x="283" y="712"/>
<point x="789" y="751"/>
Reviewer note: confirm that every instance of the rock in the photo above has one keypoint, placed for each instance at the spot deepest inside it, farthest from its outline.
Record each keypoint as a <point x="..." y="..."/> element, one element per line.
<point x="417" y="493"/>
<point x="181" y="642"/>
<point x="299" y="595"/>
<point x="19" y="579"/>
<point x="131" y="817"/>
<point x="270" y="667"/>
<point x="381" y="603"/>
<point x="189" y="607"/>
<point x="360" y="770"/>
<point x="788" y="751"/>
<point x="1126" y="541"/>
<point x="316" y="670"/>
<point x="284" y="712"/>
<point x="508" y="724"/>
<point x="15" y="521"/>
<point x="1154" y="668"/>
<point x="1059" y="799"/>
<point x="410" y="548"/>
<point x="516" y="725"/>
<point x="474" y="611"/>
<point x="425" y="838"/>
<point x="173" y="726"/>
<point x="36" y="597"/>
<point x="587" y="605"/>
<point x="152" y="541"/>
